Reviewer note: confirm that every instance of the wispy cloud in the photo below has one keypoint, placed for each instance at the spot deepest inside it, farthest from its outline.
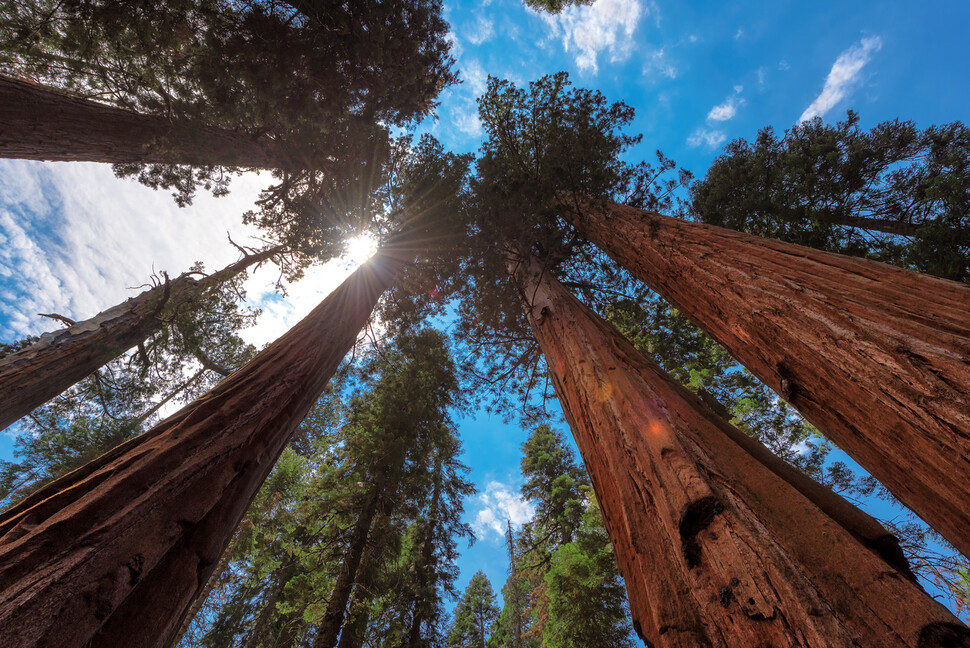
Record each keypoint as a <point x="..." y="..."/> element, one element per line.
<point x="80" y="239"/>
<point x="710" y="138"/>
<point x="728" y="108"/>
<point x="842" y="76"/>
<point x="497" y="505"/>
<point x="657" y="62"/>
<point x="605" y="25"/>
<point x="480" y="31"/>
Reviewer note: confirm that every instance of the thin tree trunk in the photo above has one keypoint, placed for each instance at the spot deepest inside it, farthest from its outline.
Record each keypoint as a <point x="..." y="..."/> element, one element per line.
<point x="32" y="376"/>
<point x="352" y="635"/>
<point x="715" y="548"/>
<point x="876" y="357"/>
<point x="115" y="552"/>
<point x="43" y="123"/>
<point x="884" y="225"/>
<point x="333" y="619"/>
<point x="424" y="569"/>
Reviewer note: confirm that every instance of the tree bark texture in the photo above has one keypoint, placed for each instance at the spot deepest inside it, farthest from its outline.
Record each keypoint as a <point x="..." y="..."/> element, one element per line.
<point x="716" y="548"/>
<point x="43" y="123"/>
<point x="115" y="552"/>
<point x="876" y="357"/>
<point x="32" y="376"/>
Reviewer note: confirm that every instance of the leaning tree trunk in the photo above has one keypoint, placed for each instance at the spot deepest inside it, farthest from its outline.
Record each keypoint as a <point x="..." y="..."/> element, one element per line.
<point x="115" y="552"/>
<point x="715" y="547"/>
<point x="43" y="123"/>
<point x="876" y="357"/>
<point x="32" y="376"/>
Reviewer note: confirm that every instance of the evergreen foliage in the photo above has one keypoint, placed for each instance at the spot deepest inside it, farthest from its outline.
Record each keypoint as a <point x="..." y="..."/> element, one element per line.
<point x="198" y="347"/>
<point x="474" y="615"/>
<point x="574" y="595"/>
<point x="894" y="193"/>
<point x="376" y="476"/>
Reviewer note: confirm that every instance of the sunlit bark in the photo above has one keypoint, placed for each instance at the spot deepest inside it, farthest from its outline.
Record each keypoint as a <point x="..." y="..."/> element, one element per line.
<point x="717" y="546"/>
<point x="876" y="357"/>
<point x="114" y="553"/>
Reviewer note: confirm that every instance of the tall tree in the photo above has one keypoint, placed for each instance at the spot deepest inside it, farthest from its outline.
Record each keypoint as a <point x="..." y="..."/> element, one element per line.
<point x="894" y="193"/>
<point x="690" y="501"/>
<point x="576" y="595"/>
<point x="872" y="355"/>
<point x="143" y="526"/>
<point x="192" y="65"/>
<point x="37" y="373"/>
<point x="393" y="431"/>
<point x="474" y="615"/>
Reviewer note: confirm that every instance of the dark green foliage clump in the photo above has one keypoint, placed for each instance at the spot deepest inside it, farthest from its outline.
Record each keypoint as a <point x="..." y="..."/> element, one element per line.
<point x="894" y="193"/>
<point x="474" y="615"/>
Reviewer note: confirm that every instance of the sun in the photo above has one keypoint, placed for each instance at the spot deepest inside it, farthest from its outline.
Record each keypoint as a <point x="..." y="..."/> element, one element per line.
<point x="360" y="248"/>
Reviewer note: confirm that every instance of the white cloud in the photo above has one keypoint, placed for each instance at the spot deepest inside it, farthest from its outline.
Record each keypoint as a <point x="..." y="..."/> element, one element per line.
<point x="590" y="29"/>
<point x="728" y="108"/>
<point x="78" y="240"/>
<point x="475" y="75"/>
<point x="481" y="31"/>
<point x="498" y="505"/>
<point x="842" y="76"/>
<point x="704" y="137"/>
<point x="738" y="34"/>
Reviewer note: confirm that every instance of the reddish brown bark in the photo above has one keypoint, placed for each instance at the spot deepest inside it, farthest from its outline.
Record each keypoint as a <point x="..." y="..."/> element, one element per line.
<point x="114" y="553"/>
<point x="32" y="376"/>
<point x="876" y="357"/>
<point x="716" y="548"/>
<point x="42" y="123"/>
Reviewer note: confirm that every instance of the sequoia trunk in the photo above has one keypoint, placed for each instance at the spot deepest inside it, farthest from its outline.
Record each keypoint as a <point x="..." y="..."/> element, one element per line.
<point x="716" y="548"/>
<point x="32" y="376"/>
<point x="115" y="552"/>
<point x="42" y="123"/>
<point x="876" y="357"/>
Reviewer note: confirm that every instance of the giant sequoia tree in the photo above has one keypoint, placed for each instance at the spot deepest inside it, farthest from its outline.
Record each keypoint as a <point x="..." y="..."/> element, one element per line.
<point x="551" y="138"/>
<point x="277" y="85"/>
<point x="894" y="193"/>
<point x="143" y="526"/>
<point x="875" y="356"/>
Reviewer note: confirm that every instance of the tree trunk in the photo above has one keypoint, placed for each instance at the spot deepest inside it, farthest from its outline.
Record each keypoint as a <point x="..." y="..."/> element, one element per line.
<point x="329" y="627"/>
<point x="32" y="376"/>
<point x="43" y="123"/>
<point x="884" y="225"/>
<point x="876" y="357"/>
<point x="352" y="635"/>
<point x="716" y="549"/>
<point x="115" y="552"/>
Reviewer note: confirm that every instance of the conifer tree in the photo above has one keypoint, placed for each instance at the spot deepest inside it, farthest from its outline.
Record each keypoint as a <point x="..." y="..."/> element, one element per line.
<point x="541" y="141"/>
<point x="172" y="309"/>
<point x="278" y="85"/>
<point x="161" y="508"/>
<point x="474" y="615"/>
<point x="894" y="193"/>
<point x="714" y="510"/>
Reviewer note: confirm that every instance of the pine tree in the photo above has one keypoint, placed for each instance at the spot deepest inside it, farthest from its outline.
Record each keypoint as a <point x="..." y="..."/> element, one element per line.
<point x="474" y="615"/>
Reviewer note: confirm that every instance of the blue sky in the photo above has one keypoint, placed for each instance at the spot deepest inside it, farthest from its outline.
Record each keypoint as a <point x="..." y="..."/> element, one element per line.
<point x="75" y="240"/>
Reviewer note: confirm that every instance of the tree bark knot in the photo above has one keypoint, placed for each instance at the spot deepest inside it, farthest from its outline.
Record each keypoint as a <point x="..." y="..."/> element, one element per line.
<point x="696" y="517"/>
